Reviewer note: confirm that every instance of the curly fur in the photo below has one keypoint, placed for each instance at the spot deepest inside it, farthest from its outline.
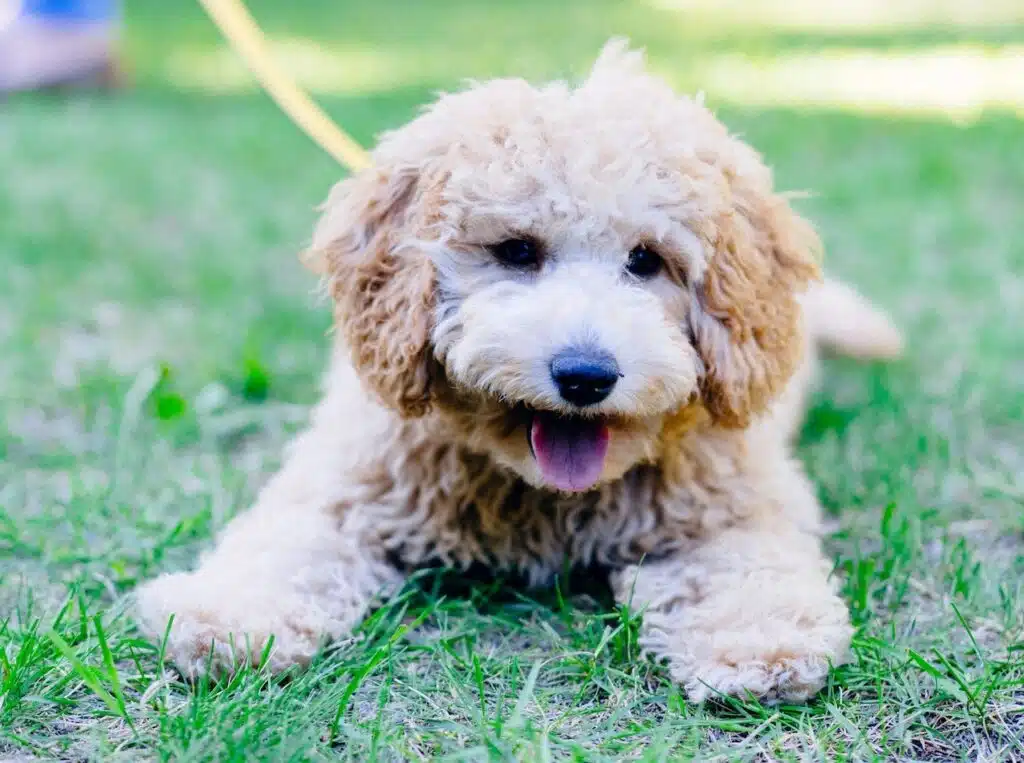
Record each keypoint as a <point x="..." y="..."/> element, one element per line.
<point x="418" y="454"/>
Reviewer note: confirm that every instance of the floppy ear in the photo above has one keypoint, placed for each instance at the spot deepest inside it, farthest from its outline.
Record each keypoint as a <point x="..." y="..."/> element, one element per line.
<point x="366" y="244"/>
<point x="746" y="320"/>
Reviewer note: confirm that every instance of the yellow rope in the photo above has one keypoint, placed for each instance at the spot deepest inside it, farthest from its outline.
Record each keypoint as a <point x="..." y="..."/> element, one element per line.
<point x="241" y="30"/>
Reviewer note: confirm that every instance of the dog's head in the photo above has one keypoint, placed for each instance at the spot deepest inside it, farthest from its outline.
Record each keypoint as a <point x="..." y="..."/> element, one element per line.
<point x="570" y="272"/>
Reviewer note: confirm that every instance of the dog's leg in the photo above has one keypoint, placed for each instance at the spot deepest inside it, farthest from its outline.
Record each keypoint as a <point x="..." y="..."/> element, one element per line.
<point x="299" y="566"/>
<point x="751" y="610"/>
<point x="287" y="570"/>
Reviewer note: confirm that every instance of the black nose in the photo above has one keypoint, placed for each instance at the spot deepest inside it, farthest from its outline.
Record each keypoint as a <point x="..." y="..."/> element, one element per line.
<point x="584" y="377"/>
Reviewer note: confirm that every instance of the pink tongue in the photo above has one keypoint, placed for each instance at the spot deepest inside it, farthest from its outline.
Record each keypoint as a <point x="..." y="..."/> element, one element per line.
<point x="569" y="451"/>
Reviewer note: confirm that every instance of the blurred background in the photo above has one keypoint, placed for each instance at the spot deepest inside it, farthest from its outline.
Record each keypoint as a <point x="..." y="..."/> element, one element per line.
<point x="945" y="57"/>
<point x="940" y="57"/>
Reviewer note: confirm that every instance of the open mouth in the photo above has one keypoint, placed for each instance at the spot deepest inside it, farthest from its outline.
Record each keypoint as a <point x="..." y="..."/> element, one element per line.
<point x="570" y="450"/>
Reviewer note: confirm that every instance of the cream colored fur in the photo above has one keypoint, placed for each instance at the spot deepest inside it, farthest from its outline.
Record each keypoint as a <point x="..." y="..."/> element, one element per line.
<point x="417" y="452"/>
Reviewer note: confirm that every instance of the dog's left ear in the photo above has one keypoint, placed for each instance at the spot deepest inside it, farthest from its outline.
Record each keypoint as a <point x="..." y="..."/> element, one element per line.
<point x="746" y="319"/>
<point x="368" y="245"/>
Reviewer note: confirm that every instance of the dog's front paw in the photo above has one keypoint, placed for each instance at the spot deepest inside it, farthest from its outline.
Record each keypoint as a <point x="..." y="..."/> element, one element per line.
<point x="781" y="679"/>
<point x="217" y="629"/>
<point x="778" y="662"/>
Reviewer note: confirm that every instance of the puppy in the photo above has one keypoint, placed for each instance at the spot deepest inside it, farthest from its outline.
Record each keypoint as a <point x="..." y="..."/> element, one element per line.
<point x="571" y="326"/>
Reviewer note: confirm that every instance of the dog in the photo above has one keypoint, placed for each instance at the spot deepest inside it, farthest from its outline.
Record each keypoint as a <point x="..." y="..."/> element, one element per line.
<point x="575" y="324"/>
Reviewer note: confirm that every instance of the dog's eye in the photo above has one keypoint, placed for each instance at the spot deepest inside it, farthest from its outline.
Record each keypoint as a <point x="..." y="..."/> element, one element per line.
<point x="517" y="252"/>
<point x="643" y="262"/>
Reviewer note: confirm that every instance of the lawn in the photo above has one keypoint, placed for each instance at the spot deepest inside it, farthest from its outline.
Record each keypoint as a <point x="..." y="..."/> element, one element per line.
<point x="160" y="342"/>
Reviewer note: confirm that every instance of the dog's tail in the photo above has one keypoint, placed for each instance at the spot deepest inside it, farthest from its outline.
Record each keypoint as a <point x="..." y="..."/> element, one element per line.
<point x="844" y="322"/>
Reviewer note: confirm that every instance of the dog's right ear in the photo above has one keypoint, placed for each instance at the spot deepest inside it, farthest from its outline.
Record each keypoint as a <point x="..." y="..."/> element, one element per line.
<point x="747" y="319"/>
<point x="367" y="247"/>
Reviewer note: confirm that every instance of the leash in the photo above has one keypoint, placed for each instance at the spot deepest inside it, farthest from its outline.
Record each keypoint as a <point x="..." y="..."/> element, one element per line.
<point x="241" y="31"/>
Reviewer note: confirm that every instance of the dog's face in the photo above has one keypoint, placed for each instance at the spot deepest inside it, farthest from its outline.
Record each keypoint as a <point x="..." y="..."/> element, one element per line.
<point x="571" y="273"/>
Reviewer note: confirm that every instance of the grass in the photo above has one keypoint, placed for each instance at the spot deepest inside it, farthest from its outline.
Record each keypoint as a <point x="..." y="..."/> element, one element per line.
<point x="160" y="343"/>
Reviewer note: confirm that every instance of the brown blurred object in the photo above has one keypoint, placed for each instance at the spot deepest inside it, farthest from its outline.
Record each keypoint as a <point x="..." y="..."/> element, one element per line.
<point x="45" y="54"/>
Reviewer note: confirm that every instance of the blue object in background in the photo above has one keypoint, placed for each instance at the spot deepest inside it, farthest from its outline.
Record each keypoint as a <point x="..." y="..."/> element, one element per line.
<point x="73" y="11"/>
<point x="54" y="43"/>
